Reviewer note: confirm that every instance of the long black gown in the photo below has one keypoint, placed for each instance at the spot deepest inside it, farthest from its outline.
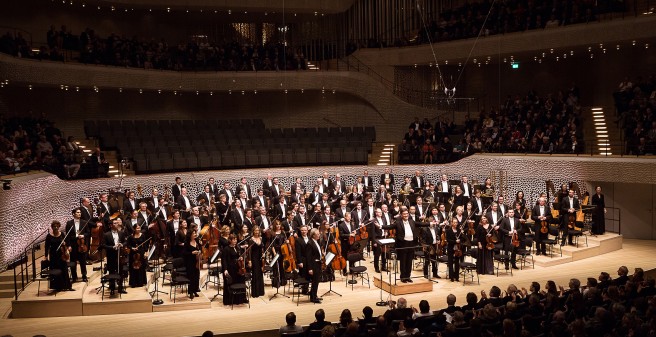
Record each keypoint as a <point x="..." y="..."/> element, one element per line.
<point x="257" y="281"/>
<point x="484" y="260"/>
<point x="598" y="220"/>
<point x="278" y="272"/>
<point x="56" y="262"/>
<point x="229" y="261"/>
<point x="137" y="276"/>
<point x="191" y="265"/>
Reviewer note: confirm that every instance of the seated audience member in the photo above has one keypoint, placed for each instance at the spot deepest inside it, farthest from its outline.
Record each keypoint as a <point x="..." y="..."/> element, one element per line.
<point x="291" y="326"/>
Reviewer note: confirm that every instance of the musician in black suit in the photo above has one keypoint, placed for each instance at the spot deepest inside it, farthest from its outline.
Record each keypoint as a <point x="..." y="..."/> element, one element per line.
<point x="206" y="196"/>
<point x="176" y="189"/>
<point x="417" y="181"/>
<point x="568" y="207"/>
<point x="301" y="255"/>
<point x="263" y="221"/>
<point x="229" y="193"/>
<point x="466" y="187"/>
<point x="338" y="186"/>
<point x="367" y="182"/>
<point x="184" y="203"/>
<point x="301" y="218"/>
<point x="153" y="201"/>
<point x="494" y="215"/>
<point x="196" y="219"/>
<point x="263" y="199"/>
<point x="287" y="223"/>
<point x="326" y="216"/>
<point x="359" y="215"/>
<point x="298" y="184"/>
<point x="172" y="227"/>
<point x="326" y="182"/>
<point x="345" y="227"/>
<point x="541" y="212"/>
<point x="280" y="209"/>
<point x="477" y="203"/>
<point x="78" y="229"/>
<point x="238" y="216"/>
<point x="130" y="204"/>
<point x="244" y="186"/>
<point x="87" y="211"/>
<point x="313" y="260"/>
<point x="298" y="196"/>
<point x="342" y="210"/>
<point x="431" y="239"/>
<point x="376" y="232"/>
<point x="104" y="210"/>
<point x="509" y="226"/>
<point x="407" y="235"/>
<point x="214" y="188"/>
<point x="387" y="175"/>
<point x="267" y="185"/>
<point x="112" y="242"/>
<point x="430" y="194"/>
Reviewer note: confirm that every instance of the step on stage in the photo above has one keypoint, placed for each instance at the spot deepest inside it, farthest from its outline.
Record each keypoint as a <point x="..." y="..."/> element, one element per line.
<point x="85" y="301"/>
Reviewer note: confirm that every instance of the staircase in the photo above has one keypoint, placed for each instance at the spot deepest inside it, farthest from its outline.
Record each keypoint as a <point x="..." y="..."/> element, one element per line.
<point x="87" y="145"/>
<point x="383" y="154"/>
<point x="602" y="136"/>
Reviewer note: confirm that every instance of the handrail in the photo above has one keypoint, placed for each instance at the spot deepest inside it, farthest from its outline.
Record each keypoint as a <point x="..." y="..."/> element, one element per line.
<point x="25" y="265"/>
<point x="618" y="220"/>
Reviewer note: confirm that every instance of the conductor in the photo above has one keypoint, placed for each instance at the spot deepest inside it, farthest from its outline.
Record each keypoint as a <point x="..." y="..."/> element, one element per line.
<point x="406" y="238"/>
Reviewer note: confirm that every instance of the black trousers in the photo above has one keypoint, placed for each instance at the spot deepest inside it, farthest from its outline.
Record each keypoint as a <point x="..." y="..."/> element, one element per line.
<point x="539" y="236"/>
<point x="405" y="254"/>
<point x="81" y="259"/>
<point x="432" y="260"/>
<point x="315" y="278"/>
<point x="377" y="255"/>
<point x="454" y="266"/>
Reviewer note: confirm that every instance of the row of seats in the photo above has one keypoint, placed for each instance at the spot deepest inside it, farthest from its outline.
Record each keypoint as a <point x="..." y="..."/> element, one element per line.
<point x="201" y="144"/>
<point x="164" y="161"/>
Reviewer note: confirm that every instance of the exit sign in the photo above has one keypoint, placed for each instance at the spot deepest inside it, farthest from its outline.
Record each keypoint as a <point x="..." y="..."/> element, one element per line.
<point x="515" y="65"/>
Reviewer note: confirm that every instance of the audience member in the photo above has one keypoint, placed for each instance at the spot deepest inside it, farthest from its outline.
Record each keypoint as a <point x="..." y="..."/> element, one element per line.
<point x="291" y="326"/>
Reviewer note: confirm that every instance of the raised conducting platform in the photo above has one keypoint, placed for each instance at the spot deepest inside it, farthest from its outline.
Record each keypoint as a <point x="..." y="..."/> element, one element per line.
<point x="418" y="285"/>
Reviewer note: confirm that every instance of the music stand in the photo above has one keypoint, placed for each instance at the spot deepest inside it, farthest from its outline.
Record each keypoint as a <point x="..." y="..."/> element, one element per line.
<point x="214" y="259"/>
<point x="381" y="243"/>
<point x="156" y="291"/>
<point x="329" y="258"/>
<point x="275" y="261"/>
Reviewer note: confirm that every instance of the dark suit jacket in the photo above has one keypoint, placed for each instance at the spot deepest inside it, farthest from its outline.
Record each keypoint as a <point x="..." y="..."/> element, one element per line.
<point x="263" y="202"/>
<point x="176" y="191"/>
<point x="236" y="218"/>
<point x="127" y="207"/>
<point x="382" y="179"/>
<point x="297" y="222"/>
<point x="301" y="251"/>
<point x="339" y="214"/>
<point x="356" y="220"/>
<point x="400" y="228"/>
<point x="266" y="187"/>
<point x="505" y="229"/>
<point x="344" y="230"/>
<point x="108" y="245"/>
<point x="536" y="213"/>
<point x="181" y="203"/>
<point x="239" y="188"/>
<point x="369" y="184"/>
<point x="294" y="186"/>
<point x="313" y="257"/>
<point x="232" y="193"/>
<point x="278" y="211"/>
<point x="417" y="184"/>
<point x="71" y="239"/>
<point x="342" y="187"/>
<point x="258" y="221"/>
<point x="488" y="215"/>
<point x="564" y="205"/>
<point x="214" y="189"/>
<point x="470" y="188"/>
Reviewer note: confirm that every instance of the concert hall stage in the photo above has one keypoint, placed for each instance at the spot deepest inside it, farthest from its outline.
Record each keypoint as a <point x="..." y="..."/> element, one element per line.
<point x="85" y="301"/>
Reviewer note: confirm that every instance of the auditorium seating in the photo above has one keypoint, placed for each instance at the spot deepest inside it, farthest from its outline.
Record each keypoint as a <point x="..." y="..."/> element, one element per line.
<point x="165" y="145"/>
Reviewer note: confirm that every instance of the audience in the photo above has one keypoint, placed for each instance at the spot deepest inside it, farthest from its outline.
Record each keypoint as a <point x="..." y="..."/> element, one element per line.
<point x="525" y="124"/>
<point x="291" y="326"/>
<point x="635" y="104"/>
<point x="624" y="306"/>
<point x="138" y="52"/>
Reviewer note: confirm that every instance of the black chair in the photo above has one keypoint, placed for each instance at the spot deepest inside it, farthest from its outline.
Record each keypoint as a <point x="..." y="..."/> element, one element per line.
<point x="357" y="270"/>
<point x="178" y="277"/>
<point x="502" y="259"/>
<point x="525" y="252"/>
<point x="576" y="233"/>
<point x="553" y="231"/>
<point x="116" y="278"/>
<point x="46" y="274"/>
<point x="299" y="283"/>
<point x="238" y="289"/>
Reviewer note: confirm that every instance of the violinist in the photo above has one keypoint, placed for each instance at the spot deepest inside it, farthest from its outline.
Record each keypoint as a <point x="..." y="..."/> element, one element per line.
<point x="477" y="202"/>
<point x="136" y="259"/>
<point x="112" y="243"/>
<point x="510" y="227"/>
<point x="484" y="260"/>
<point x="519" y="198"/>
<point x="257" y="243"/>
<point x="313" y="259"/>
<point x="358" y="215"/>
<point x="459" y="198"/>
<point x="568" y="207"/>
<point x="541" y="215"/>
<point x="104" y="209"/>
<point x="192" y="256"/>
<point x="453" y="243"/>
<point x="460" y="216"/>
<point x="432" y="239"/>
<point x="288" y="223"/>
<point x="494" y="215"/>
<point x="376" y="232"/>
<point x="80" y="232"/>
<point x="180" y="238"/>
<point x="520" y="214"/>
<point x="249" y="219"/>
<point x="230" y="260"/>
<point x="346" y="233"/>
<point x="301" y="254"/>
<point x="53" y="253"/>
<point x="407" y="236"/>
<point x="301" y="217"/>
<point x="184" y="203"/>
<point x="195" y="218"/>
<point x="132" y="219"/>
<point x="172" y="226"/>
<point x="238" y="215"/>
<point x="279" y="238"/>
<point x="488" y="187"/>
<point x="421" y="210"/>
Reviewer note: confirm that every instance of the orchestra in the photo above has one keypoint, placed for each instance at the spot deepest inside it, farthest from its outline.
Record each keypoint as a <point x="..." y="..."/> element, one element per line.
<point x="298" y="228"/>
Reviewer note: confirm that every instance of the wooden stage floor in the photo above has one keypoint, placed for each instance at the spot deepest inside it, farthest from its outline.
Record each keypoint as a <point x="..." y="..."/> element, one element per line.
<point x="185" y="318"/>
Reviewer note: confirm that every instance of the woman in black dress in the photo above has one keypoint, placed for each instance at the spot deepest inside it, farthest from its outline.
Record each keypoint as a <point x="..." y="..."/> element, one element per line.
<point x="137" y="261"/>
<point x="598" y="221"/>
<point x="484" y="260"/>
<point x="519" y="197"/>
<point x="279" y="238"/>
<point x="223" y="240"/>
<point x="53" y="253"/>
<point x="192" y="253"/>
<point x="257" y="247"/>
<point x="230" y="263"/>
<point x="180" y="238"/>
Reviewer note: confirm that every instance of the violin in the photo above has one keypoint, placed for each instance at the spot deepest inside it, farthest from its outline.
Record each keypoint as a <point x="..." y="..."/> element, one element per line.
<point x="136" y="264"/>
<point x="82" y="246"/>
<point x="571" y="220"/>
<point x="65" y="254"/>
<point x="515" y="240"/>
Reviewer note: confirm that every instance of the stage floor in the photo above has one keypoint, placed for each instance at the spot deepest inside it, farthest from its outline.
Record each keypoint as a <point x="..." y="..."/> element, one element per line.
<point x="171" y="320"/>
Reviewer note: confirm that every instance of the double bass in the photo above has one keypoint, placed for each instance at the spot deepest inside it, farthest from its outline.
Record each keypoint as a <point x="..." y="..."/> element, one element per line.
<point x="339" y="262"/>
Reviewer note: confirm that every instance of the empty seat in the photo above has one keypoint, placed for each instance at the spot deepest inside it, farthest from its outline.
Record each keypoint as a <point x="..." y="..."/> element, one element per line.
<point x="251" y="158"/>
<point x="276" y="156"/>
<point x="336" y="154"/>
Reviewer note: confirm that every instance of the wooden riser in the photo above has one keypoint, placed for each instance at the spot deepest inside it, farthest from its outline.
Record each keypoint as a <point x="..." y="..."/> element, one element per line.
<point x="418" y="286"/>
<point x="596" y="246"/>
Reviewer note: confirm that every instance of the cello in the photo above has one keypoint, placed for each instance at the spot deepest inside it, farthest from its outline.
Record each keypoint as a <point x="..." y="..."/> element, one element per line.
<point x="287" y="251"/>
<point x="339" y="262"/>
